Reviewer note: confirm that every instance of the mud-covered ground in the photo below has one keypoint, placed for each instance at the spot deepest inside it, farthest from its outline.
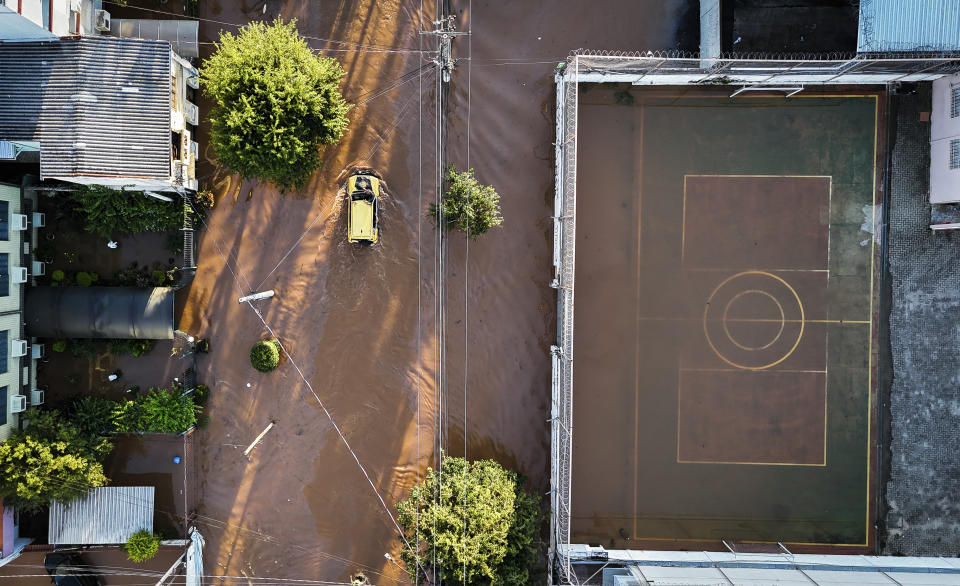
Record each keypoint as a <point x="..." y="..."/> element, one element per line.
<point x="360" y="323"/>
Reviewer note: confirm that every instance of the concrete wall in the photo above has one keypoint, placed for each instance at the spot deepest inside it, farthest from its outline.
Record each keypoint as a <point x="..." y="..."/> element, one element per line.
<point x="13" y="247"/>
<point x="10" y="311"/>
<point x="944" y="181"/>
<point x="11" y="378"/>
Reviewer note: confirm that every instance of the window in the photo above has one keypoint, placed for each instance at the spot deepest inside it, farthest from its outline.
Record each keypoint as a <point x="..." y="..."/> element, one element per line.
<point x="5" y="347"/>
<point x="3" y="409"/>
<point x="4" y="274"/>
<point x="955" y="154"/>
<point x="4" y="220"/>
<point x="955" y="102"/>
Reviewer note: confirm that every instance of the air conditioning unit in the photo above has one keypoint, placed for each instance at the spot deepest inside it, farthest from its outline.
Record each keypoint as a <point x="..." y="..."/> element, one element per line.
<point x="103" y="21"/>
<point x="18" y="274"/>
<point x="26" y="248"/>
<point x="18" y="222"/>
<point x="18" y="403"/>
<point x="38" y="268"/>
<point x="39" y="219"/>
<point x="37" y="351"/>
<point x="18" y="348"/>
<point x="36" y="397"/>
<point x="192" y="113"/>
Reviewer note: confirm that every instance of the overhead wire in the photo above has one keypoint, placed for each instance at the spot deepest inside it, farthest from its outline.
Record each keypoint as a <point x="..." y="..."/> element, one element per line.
<point x="360" y="46"/>
<point x="327" y="207"/>
<point x="382" y="139"/>
<point x="466" y="296"/>
<point x="416" y="579"/>
<point x="392" y="84"/>
<point x="323" y="407"/>
<point x="135" y="501"/>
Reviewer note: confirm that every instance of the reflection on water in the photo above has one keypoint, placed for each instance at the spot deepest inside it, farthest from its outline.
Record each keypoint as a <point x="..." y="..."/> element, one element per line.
<point x="361" y="322"/>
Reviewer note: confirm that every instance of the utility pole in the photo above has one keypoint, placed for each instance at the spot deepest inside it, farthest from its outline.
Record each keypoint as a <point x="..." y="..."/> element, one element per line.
<point x="444" y="31"/>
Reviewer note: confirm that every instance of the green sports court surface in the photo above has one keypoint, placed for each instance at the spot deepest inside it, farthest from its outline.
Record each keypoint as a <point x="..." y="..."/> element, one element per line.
<point x="725" y="328"/>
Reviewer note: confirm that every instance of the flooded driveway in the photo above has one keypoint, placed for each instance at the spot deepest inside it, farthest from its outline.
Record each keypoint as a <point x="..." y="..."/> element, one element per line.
<point x="360" y="324"/>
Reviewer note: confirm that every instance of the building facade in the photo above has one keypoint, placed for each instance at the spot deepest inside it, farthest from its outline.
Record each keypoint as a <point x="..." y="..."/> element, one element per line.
<point x="18" y="354"/>
<point x="945" y="141"/>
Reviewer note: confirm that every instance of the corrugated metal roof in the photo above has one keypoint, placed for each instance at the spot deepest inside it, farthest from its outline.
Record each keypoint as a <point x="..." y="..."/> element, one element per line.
<point x="914" y="25"/>
<point x="100" y="312"/>
<point x="100" y="106"/>
<point x="105" y="516"/>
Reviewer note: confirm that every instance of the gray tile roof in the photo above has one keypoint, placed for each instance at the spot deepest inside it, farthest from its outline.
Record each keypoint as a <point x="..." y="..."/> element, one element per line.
<point x="100" y="106"/>
<point x="909" y="25"/>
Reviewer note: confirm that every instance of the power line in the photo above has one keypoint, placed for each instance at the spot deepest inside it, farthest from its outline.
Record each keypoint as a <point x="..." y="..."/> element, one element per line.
<point x="361" y="46"/>
<point x="466" y="293"/>
<point x="382" y="139"/>
<point x="343" y="438"/>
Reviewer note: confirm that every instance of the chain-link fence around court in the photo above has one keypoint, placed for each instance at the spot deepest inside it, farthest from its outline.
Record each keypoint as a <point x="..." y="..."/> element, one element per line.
<point x="781" y="73"/>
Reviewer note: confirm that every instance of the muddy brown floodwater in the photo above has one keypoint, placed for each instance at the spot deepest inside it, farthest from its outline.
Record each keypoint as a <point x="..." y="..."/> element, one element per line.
<point x="300" y="507"/>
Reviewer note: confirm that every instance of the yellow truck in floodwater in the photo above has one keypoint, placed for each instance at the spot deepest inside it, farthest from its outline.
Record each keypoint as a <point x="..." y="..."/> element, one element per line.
<point x="363" y="203"/>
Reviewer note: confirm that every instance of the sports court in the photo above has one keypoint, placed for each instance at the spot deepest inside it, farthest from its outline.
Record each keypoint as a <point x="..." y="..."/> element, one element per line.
<point x="725" y="349"/>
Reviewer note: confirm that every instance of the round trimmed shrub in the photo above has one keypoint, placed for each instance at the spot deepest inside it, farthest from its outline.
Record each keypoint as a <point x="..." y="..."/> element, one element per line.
<point x="142" y="546"/>
<point x="59" y="345"/>
<point x="84" y="279"/>
<point x="265" y="355"/>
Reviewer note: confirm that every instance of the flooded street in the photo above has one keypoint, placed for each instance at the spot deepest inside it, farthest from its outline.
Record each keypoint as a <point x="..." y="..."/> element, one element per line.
<point x="361" y="324"/>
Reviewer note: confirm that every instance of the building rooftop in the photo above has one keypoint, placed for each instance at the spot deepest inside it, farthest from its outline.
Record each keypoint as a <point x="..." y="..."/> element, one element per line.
<point x="98" y="106"/>
<point x="105" y="516"/>
<point x="917" y="25"/>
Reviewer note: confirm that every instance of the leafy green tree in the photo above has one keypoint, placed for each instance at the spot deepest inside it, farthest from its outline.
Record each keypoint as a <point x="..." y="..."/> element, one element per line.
<point x="275" y="103"/>
<point x="128" y="417"/>
<point x="167" y="411"/>
<point x="93" y="414"/>
<point x="34" y="472"/>
<point x="109" y="212"/>
<point x="467" y="205"/>
<point x="49" y="426"/>
<point x="142" y="546"/>
<point x="479" y="523"/>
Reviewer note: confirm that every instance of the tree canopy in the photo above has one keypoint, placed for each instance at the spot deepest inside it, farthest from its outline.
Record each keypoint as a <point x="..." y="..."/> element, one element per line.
<point x="142" y="546"/>
<point x="467" y="205"/>
<point x="50" y="460"/>
<point x="275" y="103"/>
<point x="479" y="523"/>
<point x="109" y="212"/>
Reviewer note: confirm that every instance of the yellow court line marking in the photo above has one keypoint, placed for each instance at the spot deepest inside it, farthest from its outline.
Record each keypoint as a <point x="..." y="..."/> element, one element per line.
<point x="755" y="542"/>
<point x="652" y="95"/>
<point x="789" y="370"/>
<point x="719" y="354"/>
<point x="683" y="218"/>
<point x="726" y="319"/>
<point x="762" y="320"/>
<point x="735" y="463"/>
<point x="756" y="175"/>
<point x="681" y="370"/>
<point x="769" y="270"/>
<point x="873" y="200"/>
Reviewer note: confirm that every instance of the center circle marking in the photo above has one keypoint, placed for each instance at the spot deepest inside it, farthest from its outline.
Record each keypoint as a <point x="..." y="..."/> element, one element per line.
<point x="726" y="311"/>
<point x="796" y="299"/>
